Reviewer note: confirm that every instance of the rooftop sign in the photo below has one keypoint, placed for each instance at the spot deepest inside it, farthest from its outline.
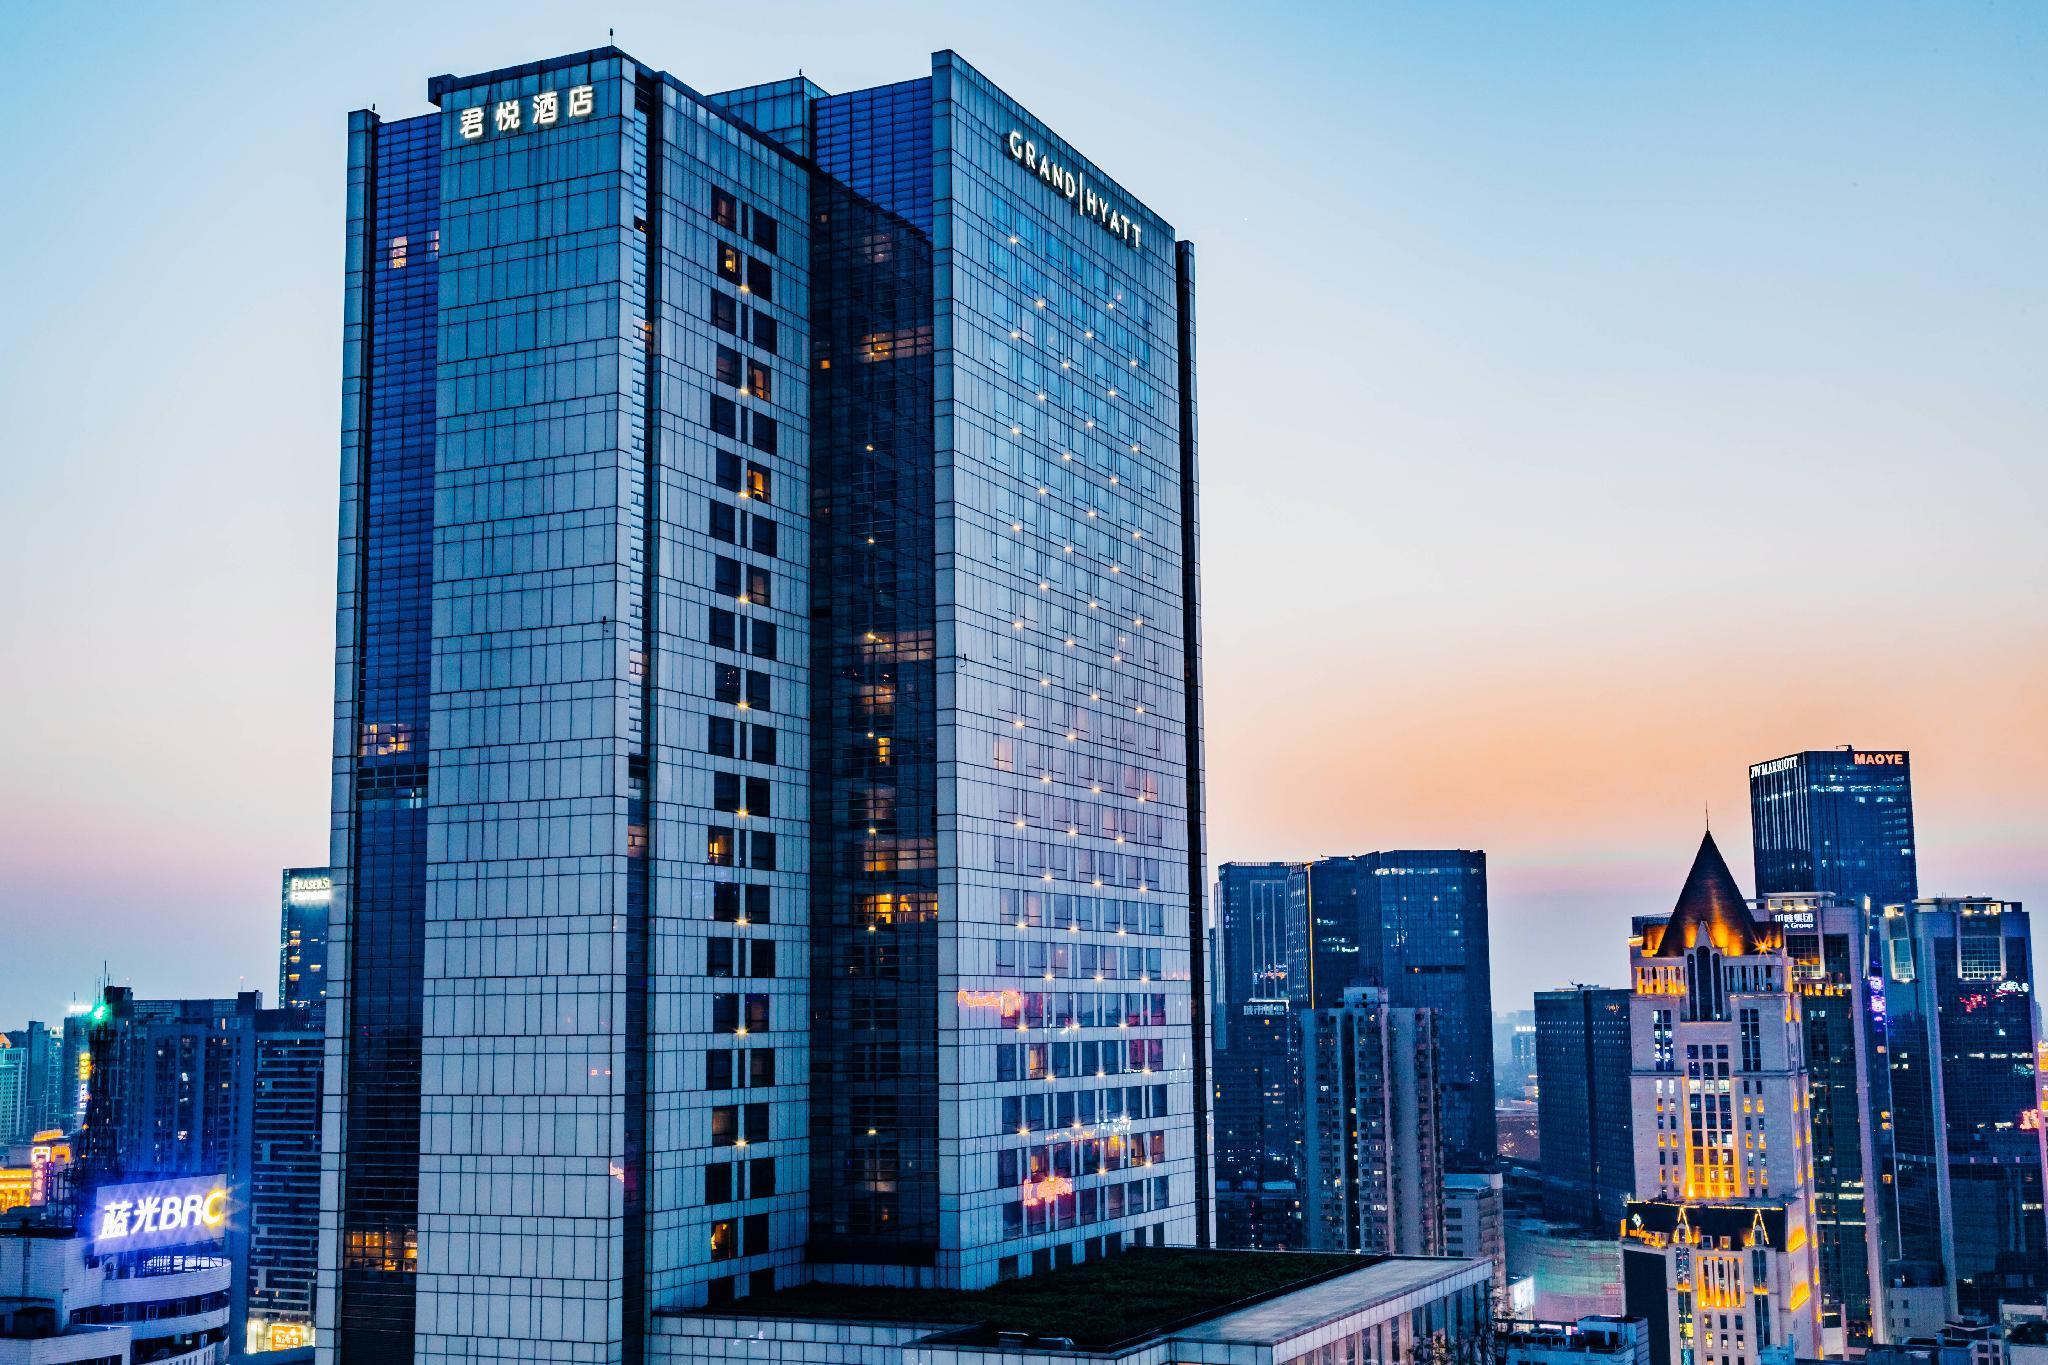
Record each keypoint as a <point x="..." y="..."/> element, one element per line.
<point x="1074" y="187"/>
<point x="543" y="110"/>
<point x="159" y="1213"/>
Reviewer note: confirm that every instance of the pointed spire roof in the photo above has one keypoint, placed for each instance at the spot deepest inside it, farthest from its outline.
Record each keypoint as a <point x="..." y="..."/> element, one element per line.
<point x="1710" y="906"/>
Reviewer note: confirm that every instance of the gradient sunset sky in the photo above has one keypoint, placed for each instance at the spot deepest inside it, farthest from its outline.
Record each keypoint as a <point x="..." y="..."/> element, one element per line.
<point x="1595" y="399"/>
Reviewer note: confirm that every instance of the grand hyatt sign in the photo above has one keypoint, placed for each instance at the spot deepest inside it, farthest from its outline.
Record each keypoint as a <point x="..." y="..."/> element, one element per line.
<point x="1074" y="187"/>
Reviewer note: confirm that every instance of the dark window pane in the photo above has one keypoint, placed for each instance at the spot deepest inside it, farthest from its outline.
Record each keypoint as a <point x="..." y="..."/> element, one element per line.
<point x="725" y="208"/>
<point x="724" y="629"/>
<point x="725" y="417"/>
<point x="724" y="522"/>
<point x="765" y="332"/>
<point x="725" y="312"/>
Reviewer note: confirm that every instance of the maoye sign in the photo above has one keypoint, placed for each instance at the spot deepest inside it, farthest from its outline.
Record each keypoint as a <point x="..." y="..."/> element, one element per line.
<point x="159" y="1213"/>
<point x="1074" y="186"/>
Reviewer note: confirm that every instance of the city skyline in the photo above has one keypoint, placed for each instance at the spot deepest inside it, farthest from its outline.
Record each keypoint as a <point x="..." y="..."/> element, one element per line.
<point x="1522" y="671"/>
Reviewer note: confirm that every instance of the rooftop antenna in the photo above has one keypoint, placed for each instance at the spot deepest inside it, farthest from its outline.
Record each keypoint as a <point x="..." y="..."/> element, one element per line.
<point x="1707" y="812"/>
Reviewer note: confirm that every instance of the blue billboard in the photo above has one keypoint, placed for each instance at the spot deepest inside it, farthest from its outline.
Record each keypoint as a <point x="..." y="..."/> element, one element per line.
<point x="149" y="1214"/>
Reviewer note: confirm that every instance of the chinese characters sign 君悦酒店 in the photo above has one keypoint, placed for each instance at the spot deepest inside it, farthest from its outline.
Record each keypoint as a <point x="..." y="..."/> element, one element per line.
<point x="543" y="110"/>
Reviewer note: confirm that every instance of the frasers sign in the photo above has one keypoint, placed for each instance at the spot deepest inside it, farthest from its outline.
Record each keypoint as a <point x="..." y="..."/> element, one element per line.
<point x="311" y="889"/>
<point x="159" y="1213"/>
<point x="543" y="110"/>
<point x="1879" y="760"/>
<point x="1074" y="186"/>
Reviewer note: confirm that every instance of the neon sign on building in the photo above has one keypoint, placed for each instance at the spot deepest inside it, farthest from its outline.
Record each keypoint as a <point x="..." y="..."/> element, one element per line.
<point x="159" y="1213"/>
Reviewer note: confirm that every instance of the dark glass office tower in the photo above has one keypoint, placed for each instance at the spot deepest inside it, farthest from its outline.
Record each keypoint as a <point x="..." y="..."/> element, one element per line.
<point x="1836" y="820"/>
<point x="1827" y="942"/>
<point x="1414" y="924"/>
<point x="1261" y="981"/>
<point x="1583" y="1105"/>
<point x="768" y="826"/>
<point x="302" y="937"/>
<point x="1967" y="1189"/>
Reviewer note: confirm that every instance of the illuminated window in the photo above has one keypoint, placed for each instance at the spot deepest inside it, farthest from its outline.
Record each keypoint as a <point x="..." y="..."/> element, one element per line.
<point x="759" y="484"/>
<point x="718" y="846"/>
<point x="725" y="1240"/>
<point x="729" y="263"/>
<point x="759" y="382"/>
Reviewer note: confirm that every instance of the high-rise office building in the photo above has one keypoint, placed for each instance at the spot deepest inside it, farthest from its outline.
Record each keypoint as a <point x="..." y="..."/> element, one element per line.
<point x="1585" y="1105"/>
<point x="1836" y="820"/>
<point x="1827" y="941"/>
<point x="1413" y="923"/>
<point x="1514" y="1055"/>
<point x="1966" y="1193"/>
<point x="1261" y="981"/>
<point x="31" y="1081"/>
<point x="302" y="937"/>
<point x="274" y="1287"/>
<point x="74" y="1072"/>
<point x="768" y="833"/>
<point x="1718" y="1245"/>
<point x="1373" y="1171"/>
<point x="219" y="1089"/>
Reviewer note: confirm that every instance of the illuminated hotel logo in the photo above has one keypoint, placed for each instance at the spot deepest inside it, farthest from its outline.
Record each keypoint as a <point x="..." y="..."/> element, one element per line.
<point x="1009" y="1002"/>
<point x="1074" y="187"/>
<point x="159" y="1213"/>
<point x="543" y="110"/>
<point x="1776" y="765"/>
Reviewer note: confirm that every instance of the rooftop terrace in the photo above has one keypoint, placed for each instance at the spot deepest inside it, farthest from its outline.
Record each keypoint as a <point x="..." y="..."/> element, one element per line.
<point x="1097" y="1304"/>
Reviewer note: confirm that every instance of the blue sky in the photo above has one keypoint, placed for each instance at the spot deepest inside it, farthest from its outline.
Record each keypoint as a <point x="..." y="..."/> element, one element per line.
<point x="1596" y="399"/>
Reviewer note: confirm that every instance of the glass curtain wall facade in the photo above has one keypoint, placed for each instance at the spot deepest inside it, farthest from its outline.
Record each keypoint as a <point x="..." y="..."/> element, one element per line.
<point x="1827" y="942"/>
<point x="627" y="964"/>
<point x="1584" y="1105"/>
<point x="1414" y="924"/>
<point x="1967" y="1190"/>
<point x="1836" y="820"/>
<point x="1262" y="980"/>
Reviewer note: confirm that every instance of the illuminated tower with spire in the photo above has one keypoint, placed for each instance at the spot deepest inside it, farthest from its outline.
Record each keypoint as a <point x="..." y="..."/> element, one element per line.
<point x="1718" y="1245"/>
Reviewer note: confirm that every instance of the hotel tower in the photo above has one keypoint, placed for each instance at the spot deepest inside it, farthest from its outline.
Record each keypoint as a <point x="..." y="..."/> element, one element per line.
<point x="767" y="748"/>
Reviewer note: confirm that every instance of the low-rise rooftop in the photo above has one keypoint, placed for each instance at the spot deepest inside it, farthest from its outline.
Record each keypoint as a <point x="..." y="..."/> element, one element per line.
<point x="1097" y="1304"/>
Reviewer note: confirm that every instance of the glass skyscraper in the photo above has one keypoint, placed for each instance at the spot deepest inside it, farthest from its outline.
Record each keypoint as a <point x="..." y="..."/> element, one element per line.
<point x="1836" y="820"/>
<point x="1414" y="924"/>
<point x="1583" y="1104"/>
<point x="1967" y="1190"/>
<point x="1827" y="941"/>
<point x="768" y="836"/>
<point x="1262" y="980"/>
